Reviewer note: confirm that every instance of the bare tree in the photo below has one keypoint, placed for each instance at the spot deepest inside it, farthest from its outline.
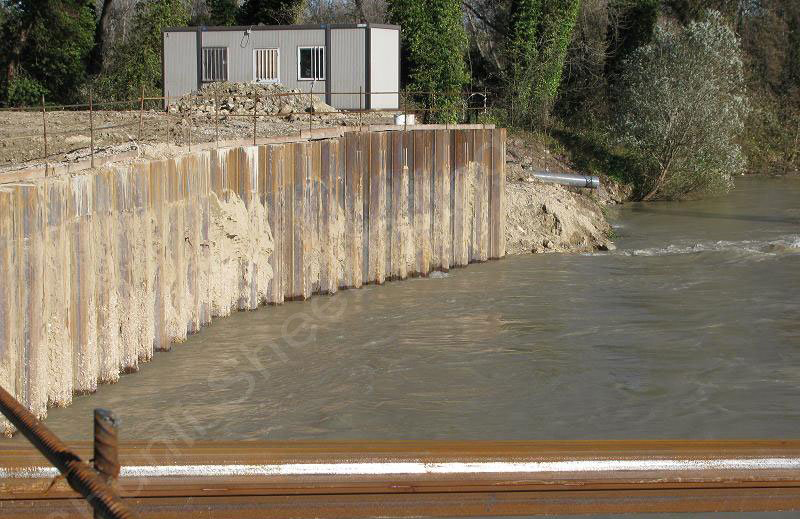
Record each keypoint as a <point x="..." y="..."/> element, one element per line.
<point x="345" y="11"/>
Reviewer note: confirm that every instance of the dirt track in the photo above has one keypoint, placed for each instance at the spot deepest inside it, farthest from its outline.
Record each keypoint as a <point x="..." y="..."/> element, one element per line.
<point x="68" y="135"/>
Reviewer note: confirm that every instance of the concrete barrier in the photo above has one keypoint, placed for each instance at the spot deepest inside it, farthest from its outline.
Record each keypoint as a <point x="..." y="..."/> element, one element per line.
<point x="101" y="268"/>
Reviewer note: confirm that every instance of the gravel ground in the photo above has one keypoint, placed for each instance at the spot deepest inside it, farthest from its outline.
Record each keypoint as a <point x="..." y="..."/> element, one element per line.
<point x="68" y="139"/>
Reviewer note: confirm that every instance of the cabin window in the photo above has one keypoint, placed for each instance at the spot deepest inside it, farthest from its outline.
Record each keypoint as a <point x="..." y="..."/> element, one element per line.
<point x="310" y="63"/>
<point x="266" y="63"/>
<point x="215" y="64"/>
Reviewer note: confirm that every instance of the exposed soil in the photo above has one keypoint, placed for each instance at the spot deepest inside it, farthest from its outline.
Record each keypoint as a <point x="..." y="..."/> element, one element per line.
<point x="542" y="217"/>
<point x="69" y="137"/>
<point x="549" y="218"/>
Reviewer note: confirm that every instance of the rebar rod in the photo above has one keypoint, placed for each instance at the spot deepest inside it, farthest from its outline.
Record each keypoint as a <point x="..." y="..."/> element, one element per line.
<point x="44" y="125"/>
<point x="82" y="478"/>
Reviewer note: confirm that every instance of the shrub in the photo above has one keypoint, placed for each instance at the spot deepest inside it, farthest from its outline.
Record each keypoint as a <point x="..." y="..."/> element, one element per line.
<point x="683" y="109"/>
<point x="136" y="63"/>
<point x="23" y="90"/>
<point x="434" y="49"/>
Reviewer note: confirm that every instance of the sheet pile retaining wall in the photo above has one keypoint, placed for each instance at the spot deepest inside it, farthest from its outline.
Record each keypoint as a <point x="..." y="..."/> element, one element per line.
<point x="100" y="269"/>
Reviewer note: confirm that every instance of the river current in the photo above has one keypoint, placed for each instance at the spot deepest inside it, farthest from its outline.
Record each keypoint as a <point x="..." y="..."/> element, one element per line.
<point x="690" y="329"/>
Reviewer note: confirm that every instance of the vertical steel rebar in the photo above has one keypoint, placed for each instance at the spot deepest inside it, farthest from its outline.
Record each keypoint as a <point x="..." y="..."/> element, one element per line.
<point x="255" y="112"/>
<point x="141" y="114"/>
<point x="360" y="108"/>
<point x="216" y="118"/>
<point x="91" y="129"/>
<point x="44" y="126"/>
<point x="106" y="453"/>
<point x="310" y="108"/>
<point x="405" y="112"/>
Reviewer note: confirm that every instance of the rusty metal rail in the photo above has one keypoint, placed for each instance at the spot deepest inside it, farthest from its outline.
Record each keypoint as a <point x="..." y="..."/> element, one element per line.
<point x="408" y="479"/>
<point x="79" y="476"/>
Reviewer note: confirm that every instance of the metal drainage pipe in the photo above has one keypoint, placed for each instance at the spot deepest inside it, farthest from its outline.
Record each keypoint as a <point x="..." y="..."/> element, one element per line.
<point x="568" y="179"/>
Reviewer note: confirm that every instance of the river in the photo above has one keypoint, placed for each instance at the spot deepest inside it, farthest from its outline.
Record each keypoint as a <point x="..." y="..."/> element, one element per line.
<point x="690" y="329"/>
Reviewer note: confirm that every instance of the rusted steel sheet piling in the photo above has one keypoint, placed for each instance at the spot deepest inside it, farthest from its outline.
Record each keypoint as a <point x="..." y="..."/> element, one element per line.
<point x="412" y="479"/>
<point x="105" y="267"/>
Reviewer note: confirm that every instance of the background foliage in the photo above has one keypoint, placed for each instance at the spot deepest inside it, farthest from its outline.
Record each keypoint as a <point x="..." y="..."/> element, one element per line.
<point x="270" y="12"/>
<point x="553" y="67"/>
<point x="45" y="49"/>
<point x="135" y="63"/>
<point x="683" y="108"/>
<point x="434" y="48"/>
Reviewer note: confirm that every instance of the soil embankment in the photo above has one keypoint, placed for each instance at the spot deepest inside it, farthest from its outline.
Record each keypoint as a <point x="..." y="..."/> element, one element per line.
<point x="543" y="217"/>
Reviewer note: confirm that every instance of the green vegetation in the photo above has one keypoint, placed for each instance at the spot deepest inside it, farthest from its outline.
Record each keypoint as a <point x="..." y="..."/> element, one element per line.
<point x="434" y="49"/>
<point x="536" y="49"/>
<point x="45" y="49"/>
<point x="221" y="12"/>
<point x="135" y="63"/>
<point x="270" y="12"/>
<point x="594" y="76"/>
<point x="683" y="108"/>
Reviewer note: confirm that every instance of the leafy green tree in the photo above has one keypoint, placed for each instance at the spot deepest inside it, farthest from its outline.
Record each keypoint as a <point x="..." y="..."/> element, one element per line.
<point x="539" y="35"/>
<point x="270" y="12"/>
<point x="220" y="13"/>
<point x="770" y="33"/>
<point x="522" y="56"/>
<point x="434" y="47"/>
<point x="45" y="47"/>
<point x="136" y="63"/>
<point x="683" y="109"/>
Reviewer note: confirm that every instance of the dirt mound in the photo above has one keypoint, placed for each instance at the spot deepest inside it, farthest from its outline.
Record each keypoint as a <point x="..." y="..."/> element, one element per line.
<point x="242" y="98"/>
<point x="549" y="218"/>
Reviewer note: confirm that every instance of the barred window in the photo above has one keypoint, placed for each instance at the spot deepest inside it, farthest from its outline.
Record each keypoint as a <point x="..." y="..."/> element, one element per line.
<point x="215" y="64"/>
<point x="266" y="65"/>
<point x="310" y="63"/>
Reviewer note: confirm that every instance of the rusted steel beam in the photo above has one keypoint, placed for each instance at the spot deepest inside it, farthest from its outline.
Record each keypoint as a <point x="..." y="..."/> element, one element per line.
<point x="370" y="479"/>
<point x="81" y="478"/>
<point x="569" y="502"/>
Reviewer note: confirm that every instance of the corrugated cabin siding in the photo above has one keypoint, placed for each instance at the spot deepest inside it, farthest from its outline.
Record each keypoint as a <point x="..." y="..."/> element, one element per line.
<point x="384" y="69"/>
<point x="347" y="61"/>
<point x="240" y="53"/>
<point x="180" y="63"/>
<point x="347" y="66"/>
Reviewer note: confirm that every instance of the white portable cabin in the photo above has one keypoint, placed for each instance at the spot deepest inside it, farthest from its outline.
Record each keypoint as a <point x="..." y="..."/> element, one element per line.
<point x="337" y="61"/>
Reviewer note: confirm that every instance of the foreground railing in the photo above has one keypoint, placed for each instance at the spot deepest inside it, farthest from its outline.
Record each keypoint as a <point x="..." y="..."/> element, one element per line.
<point x="89" y="483"/>
<point x="303" y="479"/>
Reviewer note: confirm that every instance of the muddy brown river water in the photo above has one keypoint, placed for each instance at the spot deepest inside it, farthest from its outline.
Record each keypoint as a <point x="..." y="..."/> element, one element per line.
<point x="690" y="329"/>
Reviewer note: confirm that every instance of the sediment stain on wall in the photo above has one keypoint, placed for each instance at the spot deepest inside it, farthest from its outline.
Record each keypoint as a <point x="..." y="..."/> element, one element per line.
<point x="101" y="269"/>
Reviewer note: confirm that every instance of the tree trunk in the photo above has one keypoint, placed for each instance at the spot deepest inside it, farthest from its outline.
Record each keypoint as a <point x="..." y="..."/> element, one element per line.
<point x="100" y="33"/>
<point x="656" y="187"/>
<point x="362" y="18"/>
<point x="14" y="55"/>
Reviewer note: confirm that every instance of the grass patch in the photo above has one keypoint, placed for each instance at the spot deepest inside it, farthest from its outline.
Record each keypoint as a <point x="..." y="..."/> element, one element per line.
<point x="594" y="152"/>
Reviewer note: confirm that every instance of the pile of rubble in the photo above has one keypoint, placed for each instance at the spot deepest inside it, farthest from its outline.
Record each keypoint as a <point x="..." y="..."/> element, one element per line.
<point x="239" y="98"/>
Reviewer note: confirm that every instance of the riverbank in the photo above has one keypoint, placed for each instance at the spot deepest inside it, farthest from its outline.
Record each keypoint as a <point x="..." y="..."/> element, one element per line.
<point x="543" y="217"/>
